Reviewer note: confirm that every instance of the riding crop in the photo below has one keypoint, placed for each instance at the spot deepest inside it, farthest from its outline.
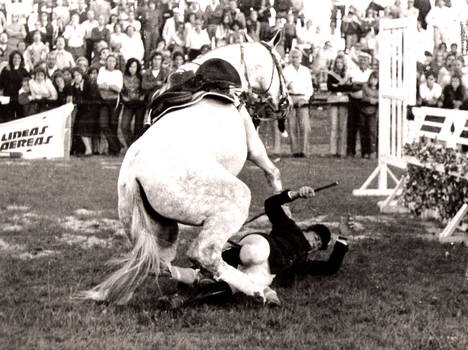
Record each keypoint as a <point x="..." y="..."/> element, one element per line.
<point x="318" y="189"/>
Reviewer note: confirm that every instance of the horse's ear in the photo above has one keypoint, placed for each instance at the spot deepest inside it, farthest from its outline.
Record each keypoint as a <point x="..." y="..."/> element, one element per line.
<point x="276" y="38"/>
<point x="248" y="38"/>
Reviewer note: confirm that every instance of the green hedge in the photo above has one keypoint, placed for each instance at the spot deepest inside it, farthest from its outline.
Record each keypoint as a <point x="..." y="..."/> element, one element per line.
<point x="442" y="192"/>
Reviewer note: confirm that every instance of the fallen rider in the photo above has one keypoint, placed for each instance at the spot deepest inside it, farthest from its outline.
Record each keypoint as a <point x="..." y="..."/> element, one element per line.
<point x="280" y="255"/>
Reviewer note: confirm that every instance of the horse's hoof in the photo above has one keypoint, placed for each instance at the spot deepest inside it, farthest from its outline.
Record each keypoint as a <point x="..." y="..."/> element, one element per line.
<point x="259" y="297"/>
<point x="271" y="297"/>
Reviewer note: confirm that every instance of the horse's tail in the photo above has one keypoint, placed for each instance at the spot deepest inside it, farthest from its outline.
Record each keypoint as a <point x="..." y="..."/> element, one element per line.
<point x="143" y="259"/>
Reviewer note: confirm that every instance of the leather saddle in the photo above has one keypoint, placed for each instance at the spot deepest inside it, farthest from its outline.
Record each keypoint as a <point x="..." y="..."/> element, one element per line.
<point x="215" y="77"/>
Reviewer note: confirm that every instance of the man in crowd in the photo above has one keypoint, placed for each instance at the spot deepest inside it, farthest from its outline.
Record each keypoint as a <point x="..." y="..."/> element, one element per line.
<point x="64" y="59"/>
<point x="299" y="84"/>
<point x="359" y="77"/>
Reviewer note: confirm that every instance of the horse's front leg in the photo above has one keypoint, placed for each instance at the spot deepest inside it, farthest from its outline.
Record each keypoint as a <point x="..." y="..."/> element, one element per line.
<point x="258" y="154"/>
<point x="225" y="217"/>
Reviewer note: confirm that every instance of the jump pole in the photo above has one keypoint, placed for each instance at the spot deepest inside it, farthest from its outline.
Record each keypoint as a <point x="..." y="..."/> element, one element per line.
<point x="397" y="91"/>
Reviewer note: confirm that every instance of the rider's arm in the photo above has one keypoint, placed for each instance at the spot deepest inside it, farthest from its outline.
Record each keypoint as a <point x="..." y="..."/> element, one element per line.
<point x="273" y="204"/>
<point x="273" y="207"/>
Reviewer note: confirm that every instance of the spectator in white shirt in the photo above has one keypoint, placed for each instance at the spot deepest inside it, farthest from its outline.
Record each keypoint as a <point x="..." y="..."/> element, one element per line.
<point x="299" y="85"/>
<point x="75" y="35"/>
<point x="133" y="21"/>
<point x="358" y="77"/>
<point x="35" y="52"/>
<point x="196" y="38"/>
<point x="437" y="18"/>
<point x="43" y="92"/>
<point x="429" y="91"/>
<point x="409" y="10"/>
<point x="118" y="38"/>
<point x="88" y="25"/>
<point x="110" y="82"/>
<point x="61" y="11"/>
<point x="133" y="47"/>
<point x="64" y="58"/>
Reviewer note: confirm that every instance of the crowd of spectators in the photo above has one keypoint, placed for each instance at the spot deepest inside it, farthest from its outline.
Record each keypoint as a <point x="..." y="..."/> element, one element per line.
<point x="108" y="56"/>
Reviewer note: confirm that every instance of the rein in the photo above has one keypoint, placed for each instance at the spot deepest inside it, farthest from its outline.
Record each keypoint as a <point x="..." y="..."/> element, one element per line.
<point x="257" y="100"/>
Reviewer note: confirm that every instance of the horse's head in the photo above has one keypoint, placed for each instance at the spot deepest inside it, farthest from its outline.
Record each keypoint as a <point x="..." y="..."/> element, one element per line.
<point x="267" y="94"/>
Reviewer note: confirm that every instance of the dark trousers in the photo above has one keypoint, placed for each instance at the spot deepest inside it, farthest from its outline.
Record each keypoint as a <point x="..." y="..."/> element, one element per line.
<point x="109" y="123"/>
<point x="150" y="40"/>
<point x="89" y="49"/>
<point x="137" y="110"/>
<point x="11" y="111"/>
<point x="368" y="133"/>
<point x="354" y="109"/>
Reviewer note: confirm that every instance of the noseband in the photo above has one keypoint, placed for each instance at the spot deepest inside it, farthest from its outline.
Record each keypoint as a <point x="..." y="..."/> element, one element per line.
<point x="258" y="102"/>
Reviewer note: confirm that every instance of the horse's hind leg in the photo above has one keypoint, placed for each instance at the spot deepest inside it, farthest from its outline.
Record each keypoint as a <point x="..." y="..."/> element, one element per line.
<point x="166" y="232"/>
<point x="230" y="200"/>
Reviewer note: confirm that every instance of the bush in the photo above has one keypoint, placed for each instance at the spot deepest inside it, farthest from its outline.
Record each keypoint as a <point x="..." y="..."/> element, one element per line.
<point x="441" y="191"/>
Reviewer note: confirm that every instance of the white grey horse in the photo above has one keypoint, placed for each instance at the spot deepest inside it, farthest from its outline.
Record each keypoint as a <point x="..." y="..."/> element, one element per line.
<point x="183" y="170"/>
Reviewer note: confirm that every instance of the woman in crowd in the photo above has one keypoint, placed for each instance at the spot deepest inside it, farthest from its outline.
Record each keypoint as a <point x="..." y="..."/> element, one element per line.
<point x="118" y="38"/>
<point x="190" y="23"/>
<point x="86" y="117"/>
<point x="67" y="76"/>
<point x="113" y="20"/>
<point x="43" y="92"/>
<point x="35" y="52"/>
<point x="11" y="80"/>
<point x="253" y="26"/>
<point x="132" y="97"/>
<point x="64" y="92"/>
<point x="338" y="83"/>
<point x="368" y="116"/>
<point x="24" y="98"/>
<point x="453" y="94"/>
<point x="223" y="31"/>
<point x="110" y="82"/>
<point x="236" y="35"/>
<point x="177" y="60"/>
<point x="93" y="102"/>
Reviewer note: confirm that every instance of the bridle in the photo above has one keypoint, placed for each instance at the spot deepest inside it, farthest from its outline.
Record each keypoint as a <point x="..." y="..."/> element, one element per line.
<point x="258" y="102"/>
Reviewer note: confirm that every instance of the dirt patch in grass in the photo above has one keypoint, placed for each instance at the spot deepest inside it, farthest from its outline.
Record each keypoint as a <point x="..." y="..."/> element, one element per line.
<point x="85" y="242"/>
<point x="86" y="229"/>
<point x="20" y="251"/>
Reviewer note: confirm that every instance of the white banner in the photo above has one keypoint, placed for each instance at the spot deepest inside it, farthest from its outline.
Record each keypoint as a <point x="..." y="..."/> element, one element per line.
<point x="43" y="135"/>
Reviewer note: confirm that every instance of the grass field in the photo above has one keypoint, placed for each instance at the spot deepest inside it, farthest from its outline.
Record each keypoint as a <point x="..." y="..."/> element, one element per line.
<point x="399" y="288"/>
